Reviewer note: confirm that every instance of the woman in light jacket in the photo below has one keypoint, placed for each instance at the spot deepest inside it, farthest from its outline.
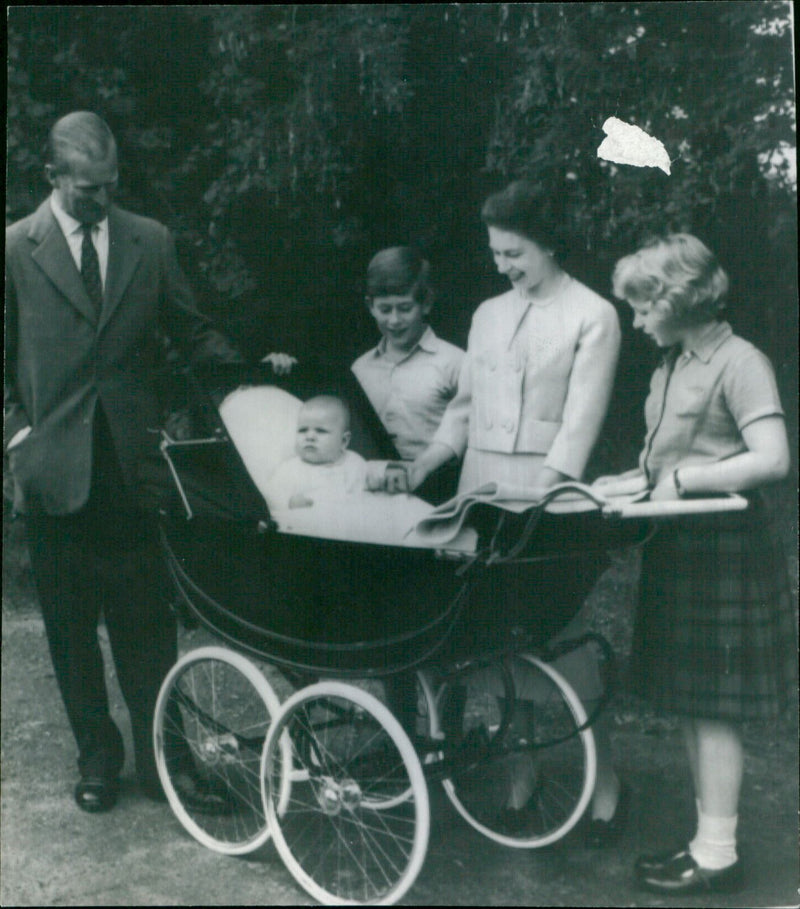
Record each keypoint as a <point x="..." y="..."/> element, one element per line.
<point x="532" y="396"/>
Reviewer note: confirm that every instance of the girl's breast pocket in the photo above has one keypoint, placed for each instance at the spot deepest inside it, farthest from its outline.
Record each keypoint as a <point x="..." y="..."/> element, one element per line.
<point x="690" y="402"/>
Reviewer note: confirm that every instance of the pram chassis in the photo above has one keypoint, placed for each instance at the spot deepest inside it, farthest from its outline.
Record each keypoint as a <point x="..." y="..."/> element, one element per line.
<point x="331" y="774"/>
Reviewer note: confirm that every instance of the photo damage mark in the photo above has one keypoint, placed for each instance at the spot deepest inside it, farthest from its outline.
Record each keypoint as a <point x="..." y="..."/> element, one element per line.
<point x="628" y="144"/>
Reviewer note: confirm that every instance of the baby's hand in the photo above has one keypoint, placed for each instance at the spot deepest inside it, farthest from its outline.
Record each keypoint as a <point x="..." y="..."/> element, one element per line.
<point x="298" y="500"/>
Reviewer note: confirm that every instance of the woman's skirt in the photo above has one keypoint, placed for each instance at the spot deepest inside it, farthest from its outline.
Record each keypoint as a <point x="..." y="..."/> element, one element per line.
<point x="715" y="635"/>
<point x="560" y="587"/>
<point x="516" y="469"/>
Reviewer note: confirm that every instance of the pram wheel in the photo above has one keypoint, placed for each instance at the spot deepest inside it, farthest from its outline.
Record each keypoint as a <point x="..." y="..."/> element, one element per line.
<point x="211" y="721"/>
<point x="354" y="829"/>
<point x="514" y="723"/>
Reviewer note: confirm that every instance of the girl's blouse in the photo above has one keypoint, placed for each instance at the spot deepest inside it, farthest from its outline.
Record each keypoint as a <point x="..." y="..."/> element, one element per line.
<point x="702" y="398"/>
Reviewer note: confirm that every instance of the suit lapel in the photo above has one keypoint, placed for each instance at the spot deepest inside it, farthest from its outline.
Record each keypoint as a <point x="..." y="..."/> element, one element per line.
<point x="52" y="255"/>
<point x="124" y="253"/>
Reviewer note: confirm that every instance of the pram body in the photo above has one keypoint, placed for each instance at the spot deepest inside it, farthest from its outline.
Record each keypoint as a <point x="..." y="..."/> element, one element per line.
<point x="332" y="775"/>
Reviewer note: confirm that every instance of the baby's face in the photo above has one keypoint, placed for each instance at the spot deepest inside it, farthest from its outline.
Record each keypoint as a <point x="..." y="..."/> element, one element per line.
<point x="321" y="436"/>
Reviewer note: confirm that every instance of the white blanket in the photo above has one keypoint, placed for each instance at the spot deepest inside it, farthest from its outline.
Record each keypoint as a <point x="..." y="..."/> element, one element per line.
<point x="371" y="517"/>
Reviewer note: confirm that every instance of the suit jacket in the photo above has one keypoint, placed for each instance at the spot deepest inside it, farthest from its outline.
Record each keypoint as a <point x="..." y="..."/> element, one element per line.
<point x="63" y="360"/>
<point x="536" y="378"/>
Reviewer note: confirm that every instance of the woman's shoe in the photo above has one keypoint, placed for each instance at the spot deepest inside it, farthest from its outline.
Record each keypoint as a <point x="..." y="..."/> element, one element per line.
<point x="203" y="796"/>
<point x="600" y="833"/>
<point x="683" y="875"/>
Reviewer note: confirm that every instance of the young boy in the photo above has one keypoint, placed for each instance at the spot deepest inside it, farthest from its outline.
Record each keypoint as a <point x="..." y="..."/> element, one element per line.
<point x="322" y="470"/>
<point x="411" y="375"/>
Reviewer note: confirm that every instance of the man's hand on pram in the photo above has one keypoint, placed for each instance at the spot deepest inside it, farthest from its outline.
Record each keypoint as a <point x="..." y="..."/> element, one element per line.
<point x="282" y="363"/>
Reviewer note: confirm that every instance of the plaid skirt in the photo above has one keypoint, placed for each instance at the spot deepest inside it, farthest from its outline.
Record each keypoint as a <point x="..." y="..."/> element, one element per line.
<point x="715" y="634"/>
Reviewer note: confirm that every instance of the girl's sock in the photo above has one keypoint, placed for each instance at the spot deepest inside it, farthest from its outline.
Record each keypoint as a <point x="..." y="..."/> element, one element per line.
<point x="714" y="845"/>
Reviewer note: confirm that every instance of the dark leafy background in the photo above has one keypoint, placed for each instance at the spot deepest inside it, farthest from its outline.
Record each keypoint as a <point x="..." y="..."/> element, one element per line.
<point x="285" y="144"/>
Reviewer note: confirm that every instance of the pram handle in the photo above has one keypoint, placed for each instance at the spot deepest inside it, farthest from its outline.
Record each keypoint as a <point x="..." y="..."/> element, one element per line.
<point x="676" y="507"/>
<point x="639" y="506"/>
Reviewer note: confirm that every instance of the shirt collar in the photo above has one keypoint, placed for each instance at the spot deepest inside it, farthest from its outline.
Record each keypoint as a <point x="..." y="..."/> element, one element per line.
<point x="428" y="343"/>
<point x="706" y="345"/>
<point x="67" y="223"/>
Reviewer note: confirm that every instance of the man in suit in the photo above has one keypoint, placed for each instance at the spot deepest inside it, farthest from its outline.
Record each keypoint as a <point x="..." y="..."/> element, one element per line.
<point x="89" y="288"/>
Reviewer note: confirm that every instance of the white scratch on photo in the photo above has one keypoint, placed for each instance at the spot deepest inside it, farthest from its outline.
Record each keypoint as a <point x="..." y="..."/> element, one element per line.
<point x="628" y="144"/>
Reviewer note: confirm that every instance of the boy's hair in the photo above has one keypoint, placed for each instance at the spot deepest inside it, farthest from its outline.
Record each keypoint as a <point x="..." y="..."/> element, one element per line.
<point x="79" y="133"/>
<point x="527" y="209"/>
<point x="399" y="271"/>
<point x="331" y="401"/>
<point x="677" y="268"/>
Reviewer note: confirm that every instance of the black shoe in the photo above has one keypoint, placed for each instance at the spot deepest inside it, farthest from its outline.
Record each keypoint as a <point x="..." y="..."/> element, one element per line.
<point x="96" y="794"/>
<point x="684" y="875"/>
<point x="602" y="833"/>
<point x="657" y="861"/>
<point x="203" y="796"/>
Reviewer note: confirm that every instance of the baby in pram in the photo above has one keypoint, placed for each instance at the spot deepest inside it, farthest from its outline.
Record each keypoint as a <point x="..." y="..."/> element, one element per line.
<point x="299" y="458"/>
<point x="322" y="470"/>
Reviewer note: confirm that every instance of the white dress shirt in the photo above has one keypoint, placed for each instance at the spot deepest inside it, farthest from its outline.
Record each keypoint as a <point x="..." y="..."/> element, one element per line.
<point x="73" y="233"/>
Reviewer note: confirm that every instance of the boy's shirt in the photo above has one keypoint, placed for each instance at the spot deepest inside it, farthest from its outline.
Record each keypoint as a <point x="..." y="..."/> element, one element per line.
<point x="318" y="482"/>
<point x="411" y="396"/>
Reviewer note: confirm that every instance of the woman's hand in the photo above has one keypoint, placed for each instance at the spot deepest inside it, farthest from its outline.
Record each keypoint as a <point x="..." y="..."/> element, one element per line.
<point x="299" y="500"/>
<point x="282" y="363"/>
<point x="395" y="479"/>
<point x="436" y="454"/>
<point x="630" y="483"/>
<point x="666" y="490"/>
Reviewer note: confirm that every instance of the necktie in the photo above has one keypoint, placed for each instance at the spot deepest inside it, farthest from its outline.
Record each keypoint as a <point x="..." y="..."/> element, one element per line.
<point x="90" y="269"/>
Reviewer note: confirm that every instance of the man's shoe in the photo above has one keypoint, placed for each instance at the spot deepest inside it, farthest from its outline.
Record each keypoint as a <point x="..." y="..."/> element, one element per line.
<point x="602" y="833"/>
<point x="96" y="794"/>
<point x="684" y="875"/>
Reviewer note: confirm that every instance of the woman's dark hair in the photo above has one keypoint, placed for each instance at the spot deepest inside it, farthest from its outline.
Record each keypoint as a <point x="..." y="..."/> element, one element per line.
<point x="397" y="271"/>
<point x="527" y="209"/>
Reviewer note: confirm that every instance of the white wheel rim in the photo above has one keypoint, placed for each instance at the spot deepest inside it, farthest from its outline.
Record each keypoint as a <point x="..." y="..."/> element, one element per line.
<point x="418" y="791"/>
<point x="271" y="703"/>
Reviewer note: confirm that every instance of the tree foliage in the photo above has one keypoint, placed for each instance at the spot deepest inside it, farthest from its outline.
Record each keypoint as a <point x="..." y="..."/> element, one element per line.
<point x="285" y="143"/>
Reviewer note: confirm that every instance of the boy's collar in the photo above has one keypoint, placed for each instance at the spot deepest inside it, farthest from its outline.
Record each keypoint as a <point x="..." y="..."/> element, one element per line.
<point x="427" y="342"/>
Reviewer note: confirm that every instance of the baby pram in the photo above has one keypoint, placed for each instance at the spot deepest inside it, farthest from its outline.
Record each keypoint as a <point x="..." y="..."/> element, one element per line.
<point x="331" y="774"/>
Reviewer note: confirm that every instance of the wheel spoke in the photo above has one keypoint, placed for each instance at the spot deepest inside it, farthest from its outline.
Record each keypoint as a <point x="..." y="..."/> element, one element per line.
<point x="212" y="718"/>
<point x="506" y="724"/>
<point x="355" y="827"/>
